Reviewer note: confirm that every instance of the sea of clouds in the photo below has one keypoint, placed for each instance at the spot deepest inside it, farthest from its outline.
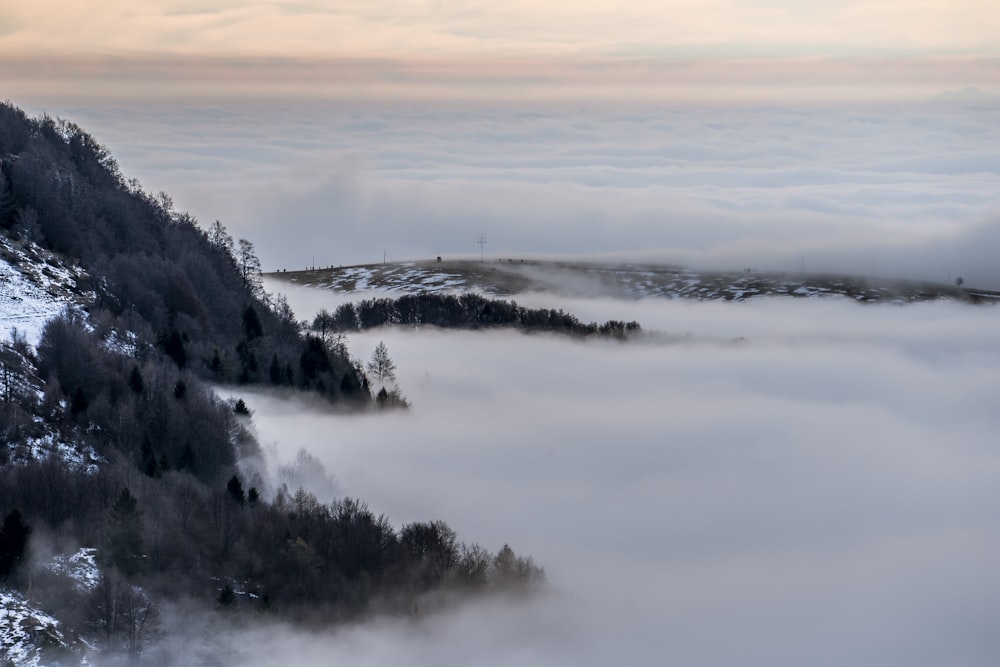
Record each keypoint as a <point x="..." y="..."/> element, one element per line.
<point x="791" y="482"/>
<point x="890" y="191"/>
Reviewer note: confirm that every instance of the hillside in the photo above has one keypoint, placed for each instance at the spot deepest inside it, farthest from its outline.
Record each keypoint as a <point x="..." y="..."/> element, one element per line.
<point x="35" y="286"/>
<point x="128" y="488"/>
<point x="622" y="280"/>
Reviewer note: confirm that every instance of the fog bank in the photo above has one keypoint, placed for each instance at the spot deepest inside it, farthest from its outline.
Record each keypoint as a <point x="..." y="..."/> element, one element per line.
<point x="824" y="491"/>
<point x="884" y="190"/>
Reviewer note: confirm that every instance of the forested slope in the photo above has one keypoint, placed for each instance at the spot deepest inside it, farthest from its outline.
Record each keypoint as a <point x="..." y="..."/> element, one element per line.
<point x="112" y="440"/>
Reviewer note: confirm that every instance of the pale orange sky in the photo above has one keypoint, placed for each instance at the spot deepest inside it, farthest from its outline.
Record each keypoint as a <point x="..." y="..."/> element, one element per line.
<point x="475" y="48"/>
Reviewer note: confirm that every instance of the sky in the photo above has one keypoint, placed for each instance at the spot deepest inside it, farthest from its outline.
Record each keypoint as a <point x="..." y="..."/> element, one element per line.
<point x="446" y="50"/>
<point x="822" y="492"/>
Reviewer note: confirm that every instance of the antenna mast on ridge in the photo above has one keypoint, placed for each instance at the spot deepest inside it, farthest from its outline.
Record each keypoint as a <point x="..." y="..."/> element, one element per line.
<point x="482" y="241"/>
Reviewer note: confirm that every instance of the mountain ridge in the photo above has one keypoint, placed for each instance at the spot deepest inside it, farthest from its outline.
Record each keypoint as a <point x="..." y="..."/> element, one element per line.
<point x="619" y="280"/>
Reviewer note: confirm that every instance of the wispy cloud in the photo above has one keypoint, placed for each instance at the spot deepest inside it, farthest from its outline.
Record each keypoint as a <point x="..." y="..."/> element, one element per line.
<point x="716" y="28"/>
<point x="478" y="49"/>
<point x="421" y="77"/>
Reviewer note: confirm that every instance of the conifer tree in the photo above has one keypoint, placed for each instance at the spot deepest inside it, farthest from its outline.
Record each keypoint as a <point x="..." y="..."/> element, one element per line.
<point x="235" y="489"/>
<point x="14" y="536"/>
<point x="125" y="527"/>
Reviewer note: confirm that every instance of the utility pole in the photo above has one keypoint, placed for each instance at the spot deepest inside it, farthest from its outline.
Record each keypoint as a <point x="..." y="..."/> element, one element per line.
<point x="482" y="242"/>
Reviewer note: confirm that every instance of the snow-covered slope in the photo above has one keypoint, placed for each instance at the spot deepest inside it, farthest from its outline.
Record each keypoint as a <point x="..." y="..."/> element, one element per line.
<point x="30" y="637"/>
<point x="511" y="277"/>
<point x="80" y="566"/>
<point x="27" y="633"/>
<point x="34" y="286"/>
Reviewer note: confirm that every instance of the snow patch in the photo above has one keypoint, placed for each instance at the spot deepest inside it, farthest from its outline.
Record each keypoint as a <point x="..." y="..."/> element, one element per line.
<point x="77" y="457"/>
<point x="24" y="631"/>
<point x="34" y="288"/>
<point x="81" y="567"/>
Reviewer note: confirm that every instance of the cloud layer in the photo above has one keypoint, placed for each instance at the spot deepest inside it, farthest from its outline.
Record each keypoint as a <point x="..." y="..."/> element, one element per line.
<point x="823" y="492"/>
<point x="890" y="191"/>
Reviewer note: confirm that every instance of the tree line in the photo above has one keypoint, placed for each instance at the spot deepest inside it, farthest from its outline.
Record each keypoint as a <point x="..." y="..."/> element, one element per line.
<point x="229" y="550"/>
<point x="465" y="311"/>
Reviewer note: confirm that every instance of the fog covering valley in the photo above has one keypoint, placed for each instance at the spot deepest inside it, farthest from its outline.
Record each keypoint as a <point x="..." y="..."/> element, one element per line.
<point x="889" y="190"/>
<point x="742" y="414"/>
<point x="793" y="481"/>
<point x="773" y="482"/>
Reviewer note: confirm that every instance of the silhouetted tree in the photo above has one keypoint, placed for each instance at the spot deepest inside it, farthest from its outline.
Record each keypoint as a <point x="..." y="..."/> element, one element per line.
<point x="227" y="597"/>
<point x="324" y="323"/>
<point x="431" y="550"/>
<point x="314" y="359"/>
<point x="251" y="324"/>
<point x="125" y="528"/>
<point x="124" y="618"/>
<point x="220" y="239"/>
<point x="235" y="489"/>
<point x="135" y="382"/>
<point x="14" y="536"/>
<point x="173" y="347"/>
<point x="381" y="366"/>
<point x="249" y="267"/>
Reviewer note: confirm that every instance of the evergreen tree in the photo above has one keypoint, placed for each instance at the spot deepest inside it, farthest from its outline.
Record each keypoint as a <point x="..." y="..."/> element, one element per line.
<point x="135" y="380"/>
<point x="13" y="543"/>
<point x="150" y="464"/>
<point x="174" y="348"/>
<point x="235" y="489"/>
<point x="187" y="460"/>
<point x="125" y="527"/>
<point x="251" y="324"/>
<point x="227" y="597"/>
<point x="79" y="403"/>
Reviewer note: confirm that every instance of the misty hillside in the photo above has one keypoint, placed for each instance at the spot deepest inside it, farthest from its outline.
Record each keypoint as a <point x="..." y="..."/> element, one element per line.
<point x="128" y="487"/>
<point x="508" y="277"/>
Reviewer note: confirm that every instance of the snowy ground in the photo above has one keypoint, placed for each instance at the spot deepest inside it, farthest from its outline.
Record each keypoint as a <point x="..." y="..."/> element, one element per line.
<point x="510" y="277"/>
<point x="34" y="287"/>
<point x="23" y="629"/>
<point x="81" y="567"/>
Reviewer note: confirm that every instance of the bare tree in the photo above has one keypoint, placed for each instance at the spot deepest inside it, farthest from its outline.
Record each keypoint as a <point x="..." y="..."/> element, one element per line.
<point x="381" y="367"/>
<point x="323" y="323"/>
<point x="140" y="623"/>
<point x="124" y="617"/>
<point x="12" y="368"/>
<point x="220" y="238"/>
<point x="249" y="266"/>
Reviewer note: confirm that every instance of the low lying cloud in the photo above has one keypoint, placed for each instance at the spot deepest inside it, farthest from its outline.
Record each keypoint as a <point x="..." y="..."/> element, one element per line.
<point x="891" y="191"/>
<point x="824" y="491"/>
